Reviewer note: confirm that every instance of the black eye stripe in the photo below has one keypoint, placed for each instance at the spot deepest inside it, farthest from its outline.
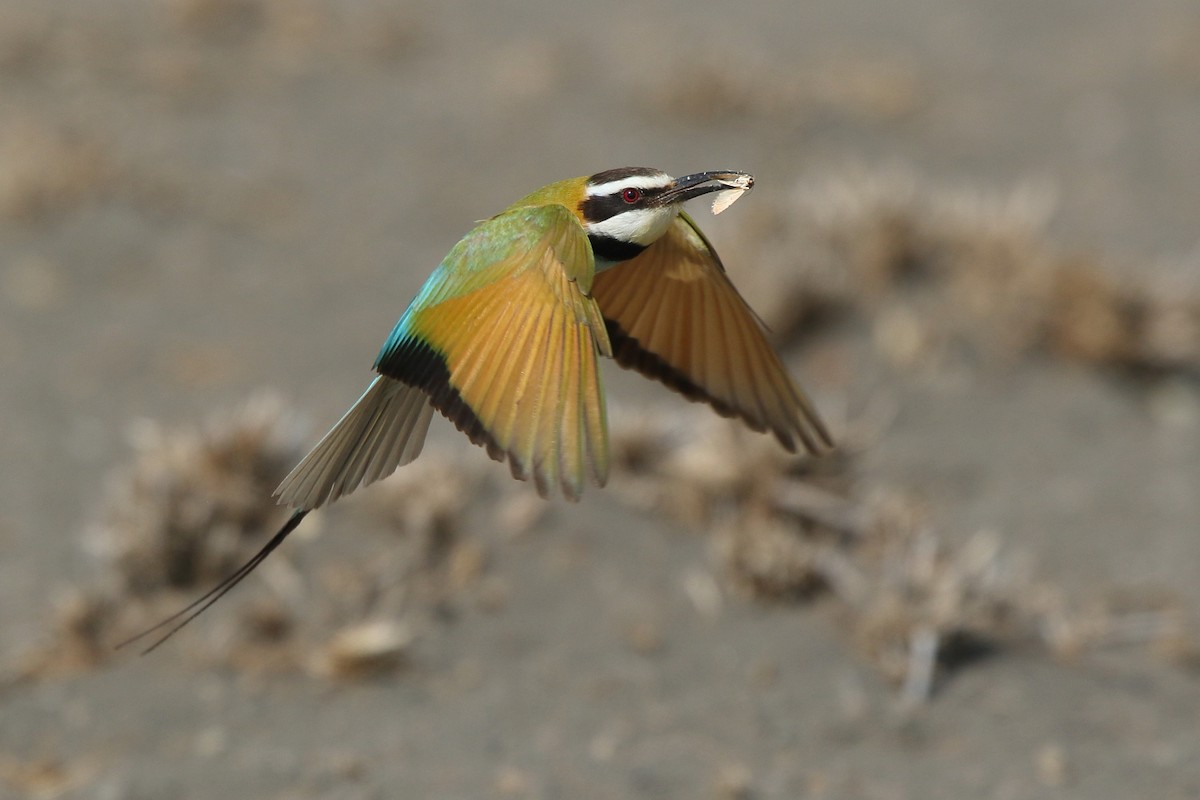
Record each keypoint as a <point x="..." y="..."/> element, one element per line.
<point x="601" y="207"/>
<point x="604" y="206"/>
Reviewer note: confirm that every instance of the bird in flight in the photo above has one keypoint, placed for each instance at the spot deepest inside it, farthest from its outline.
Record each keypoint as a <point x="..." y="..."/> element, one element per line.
<point x="505" y="336"/>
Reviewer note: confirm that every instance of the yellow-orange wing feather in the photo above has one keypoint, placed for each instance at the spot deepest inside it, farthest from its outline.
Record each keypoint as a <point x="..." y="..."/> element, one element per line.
<point x="674" y="316"/>
<point x="502" y="339"/>
<point x="510" y="319"/>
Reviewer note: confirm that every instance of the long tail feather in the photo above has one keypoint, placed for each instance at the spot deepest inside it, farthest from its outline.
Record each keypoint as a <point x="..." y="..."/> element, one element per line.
<point x="201" y="604"/>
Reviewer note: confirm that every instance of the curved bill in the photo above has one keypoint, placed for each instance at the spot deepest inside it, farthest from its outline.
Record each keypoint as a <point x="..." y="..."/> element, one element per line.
<point x="691" y="186"/>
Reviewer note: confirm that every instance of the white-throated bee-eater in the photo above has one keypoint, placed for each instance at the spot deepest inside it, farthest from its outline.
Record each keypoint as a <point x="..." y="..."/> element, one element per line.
<point x="504" y="337"/>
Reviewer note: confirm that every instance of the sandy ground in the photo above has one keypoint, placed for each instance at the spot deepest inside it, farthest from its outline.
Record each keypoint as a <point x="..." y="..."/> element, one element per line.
<point x="200" y="199"/>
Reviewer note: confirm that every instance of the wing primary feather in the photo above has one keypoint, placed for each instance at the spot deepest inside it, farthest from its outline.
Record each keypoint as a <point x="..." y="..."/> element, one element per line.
<point x="525" y="400"/>
<point x="596" y="423"/>
<point x="746" y="368"/>
<point x="593" y="419"/>
<point x="714" y="375"/>
<point x="658" y="330"/>
<point x="703" y="361"/>
<point x="672" y="314"/>
<point x="497" y="407"/>
<point x="570" y="450"/>
<point x="529" y="404"/>
<point x="547" y="430"/>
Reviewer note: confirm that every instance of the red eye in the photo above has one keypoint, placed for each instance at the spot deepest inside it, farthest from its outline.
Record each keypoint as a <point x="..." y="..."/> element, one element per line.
<point x="631" y="195"/>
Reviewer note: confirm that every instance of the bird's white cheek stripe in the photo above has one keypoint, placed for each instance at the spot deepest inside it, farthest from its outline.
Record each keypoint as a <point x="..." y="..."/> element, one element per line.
<point x="640" y="226"/>
<point x="633" y="182"/>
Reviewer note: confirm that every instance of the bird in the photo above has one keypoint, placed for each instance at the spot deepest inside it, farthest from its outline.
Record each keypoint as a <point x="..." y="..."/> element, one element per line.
<point x="504" y="339"/>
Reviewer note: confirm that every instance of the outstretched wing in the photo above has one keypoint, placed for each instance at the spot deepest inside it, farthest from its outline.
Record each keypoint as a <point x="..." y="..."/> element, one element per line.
<point x="502" y="339"/>
<point x="673" y="315"/>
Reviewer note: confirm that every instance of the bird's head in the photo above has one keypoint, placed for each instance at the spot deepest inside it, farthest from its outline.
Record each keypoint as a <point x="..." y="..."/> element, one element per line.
<point x="626" y="210"/>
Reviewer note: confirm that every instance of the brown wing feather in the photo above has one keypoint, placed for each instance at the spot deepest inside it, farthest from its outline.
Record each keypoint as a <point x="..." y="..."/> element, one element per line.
<point x="673" y="315"/>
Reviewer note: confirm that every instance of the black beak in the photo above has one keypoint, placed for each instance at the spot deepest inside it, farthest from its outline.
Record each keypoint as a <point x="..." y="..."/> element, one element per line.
<point x="691" y="186"/>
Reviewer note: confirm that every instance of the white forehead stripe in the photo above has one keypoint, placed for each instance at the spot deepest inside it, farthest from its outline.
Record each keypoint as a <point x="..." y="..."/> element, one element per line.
<point x="659" y="181"/>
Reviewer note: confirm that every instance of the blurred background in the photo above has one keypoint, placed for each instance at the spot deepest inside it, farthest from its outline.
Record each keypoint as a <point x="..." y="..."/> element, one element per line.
<point x="973" y="235"/>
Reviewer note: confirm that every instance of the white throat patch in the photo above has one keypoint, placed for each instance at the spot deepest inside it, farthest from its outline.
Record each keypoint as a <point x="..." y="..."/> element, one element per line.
<point x="642" y="226"/>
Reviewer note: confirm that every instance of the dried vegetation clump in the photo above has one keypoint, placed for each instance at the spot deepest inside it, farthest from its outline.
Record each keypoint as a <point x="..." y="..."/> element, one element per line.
<point x="939" y="268"/>
<point x="914" y="601"/>
<point x="187" y="509"/>
<point x="194" y="504"/>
